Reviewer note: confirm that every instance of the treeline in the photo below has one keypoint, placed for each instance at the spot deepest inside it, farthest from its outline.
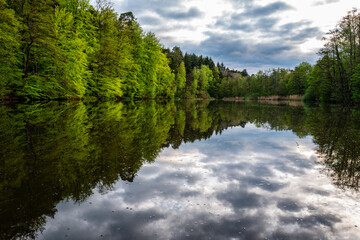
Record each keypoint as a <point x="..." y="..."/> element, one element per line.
<point x="282" y="82"/>
<point x="198" y="76"/>
<point x="52" y="49"/>
<point x="68" y="48"/>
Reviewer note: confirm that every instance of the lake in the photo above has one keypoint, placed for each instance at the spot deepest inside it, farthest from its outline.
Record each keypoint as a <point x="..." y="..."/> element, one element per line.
<point x="179" y="170"/>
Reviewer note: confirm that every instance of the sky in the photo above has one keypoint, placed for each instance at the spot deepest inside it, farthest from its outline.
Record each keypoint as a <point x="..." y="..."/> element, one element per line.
<point x="243" y="34"/>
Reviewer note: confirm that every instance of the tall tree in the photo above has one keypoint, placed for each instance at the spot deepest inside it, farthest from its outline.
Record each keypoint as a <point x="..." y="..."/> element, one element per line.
<point x="70" y="66"/>
<point x="107" y="71"/>
<point x="180" y="79"/>
<point x="10" y="73"/>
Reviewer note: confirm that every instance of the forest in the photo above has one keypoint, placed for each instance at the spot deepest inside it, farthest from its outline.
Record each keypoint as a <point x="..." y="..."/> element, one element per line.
<point x="70" y="49"/>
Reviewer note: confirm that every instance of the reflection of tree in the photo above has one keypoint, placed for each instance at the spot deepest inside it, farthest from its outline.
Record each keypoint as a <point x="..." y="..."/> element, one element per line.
<point x="336" y="132"/>
<point x="56" y="151"/>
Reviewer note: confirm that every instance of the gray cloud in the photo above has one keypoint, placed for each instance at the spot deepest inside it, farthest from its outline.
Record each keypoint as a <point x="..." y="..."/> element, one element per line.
<point x="268" y="9"/>
<point x="242" y="52"/>
<point x="244" y="27"/>
<point x="238" y="50"/>
<point x="242" y="3"/>
<point x="181" y="14"/>
<point x="319" y="3"/>
<point x="166" y="9"/>
<point x="262" y="11"/>
<point x="306" y="34"/>
<point x="140" y="6"/>
<point x="267" y="26"/>
<point x="265" y="23"/>
<point x="150" y="20"/>
<point x="292" y="26"/>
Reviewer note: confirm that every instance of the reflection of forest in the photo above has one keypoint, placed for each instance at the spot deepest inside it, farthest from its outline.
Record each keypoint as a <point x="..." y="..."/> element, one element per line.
<point x="56" y="151"/>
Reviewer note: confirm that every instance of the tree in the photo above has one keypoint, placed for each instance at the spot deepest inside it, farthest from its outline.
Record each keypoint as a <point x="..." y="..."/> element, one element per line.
<point x="298" y="80"/>
<point x="180" y="79"/>
<point x="321" y="83"/>
<point x="194" y="85"/>
<point x="10" y="73"/>
<point x="205" y="79"/>
<point x="244" y="73"/>
<point x="70" y="66"/>
<point x="39" y="50"/>
<point x="108" y="69"/>
<point x="355" y="84"/>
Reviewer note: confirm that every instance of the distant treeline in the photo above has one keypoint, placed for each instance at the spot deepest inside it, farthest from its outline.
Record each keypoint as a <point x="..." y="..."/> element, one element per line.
<point x="52" y="49"/>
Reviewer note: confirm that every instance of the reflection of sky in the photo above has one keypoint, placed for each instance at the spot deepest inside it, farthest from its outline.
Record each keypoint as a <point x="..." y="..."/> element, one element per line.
<point x="248" y="183"/>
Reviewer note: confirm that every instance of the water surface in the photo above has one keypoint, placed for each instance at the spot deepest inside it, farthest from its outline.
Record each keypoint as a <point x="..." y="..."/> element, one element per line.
<point x="179" y="170"/>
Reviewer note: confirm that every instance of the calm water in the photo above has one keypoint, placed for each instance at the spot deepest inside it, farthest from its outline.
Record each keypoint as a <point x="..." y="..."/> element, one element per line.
<point x="179" y="170"/>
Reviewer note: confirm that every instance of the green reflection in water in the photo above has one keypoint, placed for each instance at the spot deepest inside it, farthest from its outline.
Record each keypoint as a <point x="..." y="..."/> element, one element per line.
<point x="58" y="151"/>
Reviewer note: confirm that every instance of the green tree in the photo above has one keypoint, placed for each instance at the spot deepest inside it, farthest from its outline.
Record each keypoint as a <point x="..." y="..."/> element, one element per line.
<point x="70" y="66"/>
<point x="10" y="73"/>
<point x="355" y="84"/>
<point x="298" y="80"/>
<point x="39" y="50"/>
<point x="166" y="79"/>
<point x="205" y="80"/>
<point x="180" y="79"/>
<point x="321" y="83"/>
<point x="195" y="82"/>
<point x="130" y="47"/>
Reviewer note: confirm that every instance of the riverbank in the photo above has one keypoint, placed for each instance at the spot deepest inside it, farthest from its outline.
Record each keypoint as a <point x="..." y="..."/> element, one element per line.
<point x="267" y="98"/>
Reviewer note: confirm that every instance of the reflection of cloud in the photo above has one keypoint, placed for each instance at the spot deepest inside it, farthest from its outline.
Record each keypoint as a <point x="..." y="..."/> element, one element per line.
<point x="239" y="198"/>
<point x="248" y="183"/>
<point x="288" y="205"/>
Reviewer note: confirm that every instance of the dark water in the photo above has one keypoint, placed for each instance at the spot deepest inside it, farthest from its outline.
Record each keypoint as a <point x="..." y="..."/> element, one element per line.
<point x="179" y="170"/>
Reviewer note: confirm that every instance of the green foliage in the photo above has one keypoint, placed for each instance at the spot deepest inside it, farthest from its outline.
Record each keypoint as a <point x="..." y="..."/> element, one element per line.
<point x="71" y="49"/>
<point x="355" y="84"/>
<point x="298" y="80"/>
<point x="39" y="50"/>
<point x="70" y="65"/>
<point x="195" y="82"/>
<point x="10" y="73"/>
<point x="180" y="79"/>
<point x="205" y="80"/>
<point x="319" y="82"/>
<point x="166" y="79"/>
<point x="309" y="95"/>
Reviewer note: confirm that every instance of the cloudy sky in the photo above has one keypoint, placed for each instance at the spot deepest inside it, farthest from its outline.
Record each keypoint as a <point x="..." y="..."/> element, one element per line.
<point x="249" y="34"/>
